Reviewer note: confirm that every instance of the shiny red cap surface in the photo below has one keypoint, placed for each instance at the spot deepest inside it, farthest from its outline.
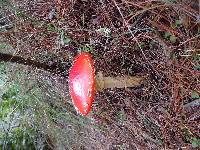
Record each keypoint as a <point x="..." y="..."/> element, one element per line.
<point x="81" y="83"/>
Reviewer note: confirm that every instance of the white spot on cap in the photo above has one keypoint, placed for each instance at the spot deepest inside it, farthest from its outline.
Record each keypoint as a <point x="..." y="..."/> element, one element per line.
<point x="78" y="87"/>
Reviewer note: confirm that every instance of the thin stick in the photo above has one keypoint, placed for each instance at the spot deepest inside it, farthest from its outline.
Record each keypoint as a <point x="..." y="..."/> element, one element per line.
<point x="54" y="68"/>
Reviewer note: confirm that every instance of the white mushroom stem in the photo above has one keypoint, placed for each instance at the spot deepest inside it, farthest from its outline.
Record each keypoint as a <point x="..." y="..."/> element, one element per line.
<point x="116" y="82"/>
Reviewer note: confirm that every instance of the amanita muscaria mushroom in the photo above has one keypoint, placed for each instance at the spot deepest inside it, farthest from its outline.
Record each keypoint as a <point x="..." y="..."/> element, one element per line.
<point x="83" y="83"/>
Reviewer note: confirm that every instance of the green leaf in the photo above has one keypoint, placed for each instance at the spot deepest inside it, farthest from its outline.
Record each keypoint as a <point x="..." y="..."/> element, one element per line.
<point x="105" y="31"/>
<point x="4" y="46"/>
<point x="64" y="40"/>
<point x="194" y="95"/>
<point x="11" y="93"/>
<point x="195" y="142"/>
<point x="170" y="1"/>
<point x="172" y="38"/>
<point x="177" y="23"/>
<point x="197" y="67"/>
<point x="167" y="35"/>
<point x="86" y="48"/>
<point x="2" y="82"/>
<point x="142" y="44"/>
<point x="52" y="27"/>
<point x="196" y="58"/>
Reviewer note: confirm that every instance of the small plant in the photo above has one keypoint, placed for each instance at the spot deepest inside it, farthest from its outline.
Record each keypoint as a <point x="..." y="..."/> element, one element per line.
<point x="196" y="60"/>
<point x="85" y="48"/>
<point x="194" y="95"/>
<point x="170" y="37"/>
<point x="4" y="46"/>
<point x="170" y="1"/>
<point x="176" y="24"/>
<point x="14" y="134"/>
<point x="121" y="116"/>
<point x="105" y="31"/>
<point x="195" y="142"/>
<point x="51" y="27"/>
<point x="62" y="39"/>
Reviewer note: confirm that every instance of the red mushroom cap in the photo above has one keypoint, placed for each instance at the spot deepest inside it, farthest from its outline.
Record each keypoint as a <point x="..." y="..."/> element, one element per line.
<point x="81" y="83"/>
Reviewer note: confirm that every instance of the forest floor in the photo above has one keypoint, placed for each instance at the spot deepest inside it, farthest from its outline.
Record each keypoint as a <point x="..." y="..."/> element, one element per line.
<point x="159" y="39"/>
